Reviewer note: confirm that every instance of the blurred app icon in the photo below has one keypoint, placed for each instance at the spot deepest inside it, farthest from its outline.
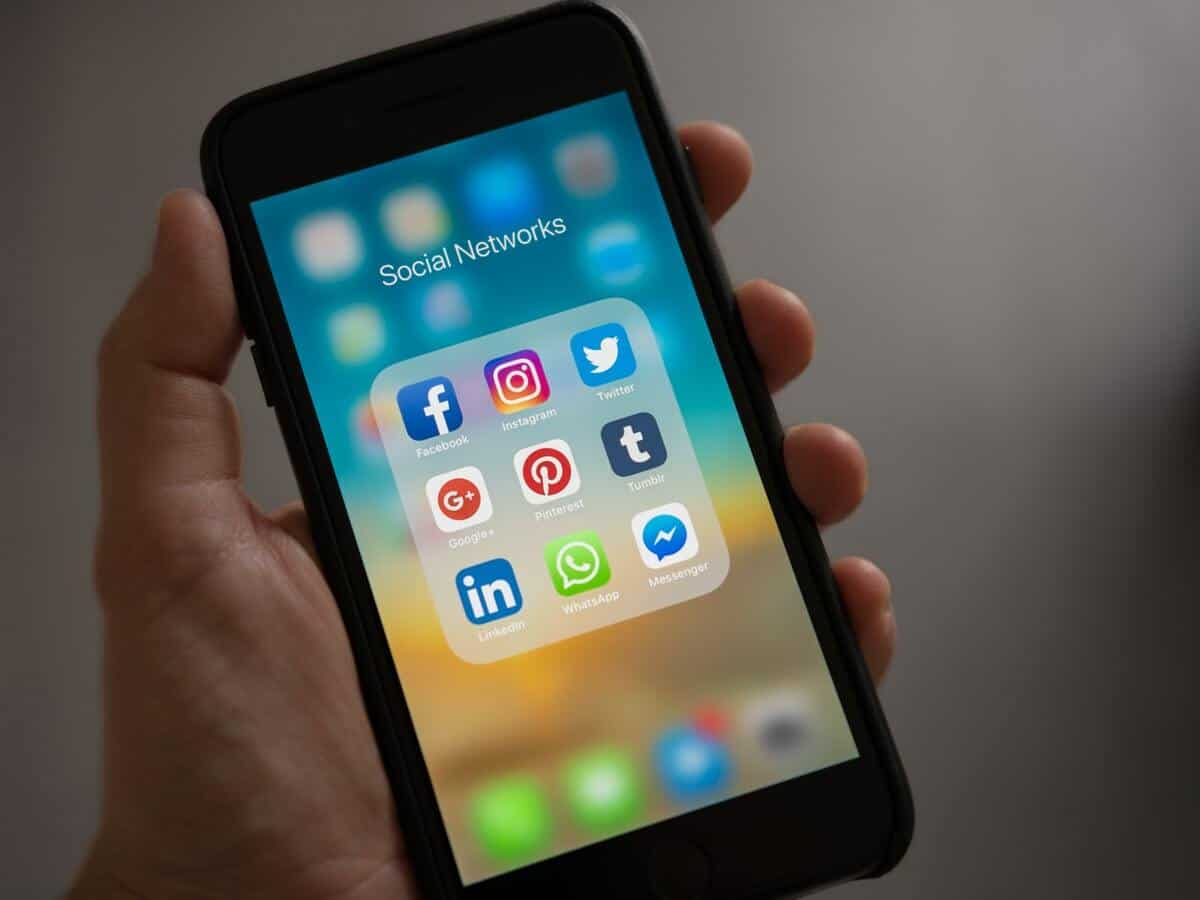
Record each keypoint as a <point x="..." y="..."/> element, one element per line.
<point x="445" y="307"/>
<point x="665" y="535"/>
<point x="415" y="218"/>
<point x="511" y="819"/>
<point x="780" y="723"/>
<point x="691" y="764"/>
<point x="603" y="354"/>
<point x="356" y="333"/>
<point x="489" y="591"/>
<point x="517" y="381"/>
<point x="328" y="245"/>
<point x="633" y="444"/>
<point x="429" y="408"/>
<point x="586" y="165"/>
<point x="603" y="790"/>
<point x="617" y="253"/>
<point x="546" y="471"/>
<point x="577" y="563"/>
<point x="502" y="192"/>
<point x="367" y="438"/>
<point x="711" y="720"/>
<point x="458" y="499"/>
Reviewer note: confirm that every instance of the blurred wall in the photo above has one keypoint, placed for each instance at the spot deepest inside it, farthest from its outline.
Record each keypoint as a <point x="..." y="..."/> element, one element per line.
<point x="993" y="209"/>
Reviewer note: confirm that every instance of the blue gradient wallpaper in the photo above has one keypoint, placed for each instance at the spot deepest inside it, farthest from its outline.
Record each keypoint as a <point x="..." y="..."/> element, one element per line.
<point x="413" y="267"/>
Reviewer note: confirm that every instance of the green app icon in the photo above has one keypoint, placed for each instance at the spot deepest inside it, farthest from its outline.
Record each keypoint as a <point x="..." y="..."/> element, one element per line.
<point x="603" y="790"/>
<point x="577" y="563"/>
<point x="511" y="819"/>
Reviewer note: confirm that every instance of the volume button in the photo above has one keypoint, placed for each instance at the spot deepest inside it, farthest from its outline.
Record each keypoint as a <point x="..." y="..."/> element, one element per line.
<point x="264" y="375"/>
<point x="691" y="170"/>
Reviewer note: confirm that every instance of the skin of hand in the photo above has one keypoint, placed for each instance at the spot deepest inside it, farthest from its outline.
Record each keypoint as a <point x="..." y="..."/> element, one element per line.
<point x="238" y="760"/>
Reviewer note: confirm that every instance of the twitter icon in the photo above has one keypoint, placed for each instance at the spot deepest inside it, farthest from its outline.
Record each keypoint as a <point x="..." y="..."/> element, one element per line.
<point x="603" y="354"/>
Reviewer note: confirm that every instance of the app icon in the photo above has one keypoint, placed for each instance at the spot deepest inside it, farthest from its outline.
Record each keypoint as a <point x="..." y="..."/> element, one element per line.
<point x="691" y="764"/>
<point x="586" y="165"/>
<point x="603" y="354"/>
<point x="415" y="218"/>
<point x="603" y="790"/>
<point x="617" y="253"/>
<point x="665" y="535"/>
<point x="517" y="381"/>
<point x="511" y="819"/>
<point x="445" y="307"/>
<point x="546" y="471"/>
<point x="633" y="444"/>
<point x="501" y="192"/>
<point x="356" y="333"/>
<point x="459" y="499"/>
<point x="328" y="245"/>
<point x="429" y="408"/>
<point x="367" y="437"/>
<point x="780" y="723"/>
<point x="489" y="591"/>
<point x="577" y="563"/>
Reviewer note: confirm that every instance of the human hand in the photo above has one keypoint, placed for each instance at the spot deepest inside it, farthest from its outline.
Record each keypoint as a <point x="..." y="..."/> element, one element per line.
<point x="238" y="759"/>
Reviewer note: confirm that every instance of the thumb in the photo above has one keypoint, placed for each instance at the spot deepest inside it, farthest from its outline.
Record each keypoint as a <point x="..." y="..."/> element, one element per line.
<point x="168" y="430"/>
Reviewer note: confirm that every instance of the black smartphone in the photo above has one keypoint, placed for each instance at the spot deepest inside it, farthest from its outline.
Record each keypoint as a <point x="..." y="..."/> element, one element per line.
<point x="599" y="641"/>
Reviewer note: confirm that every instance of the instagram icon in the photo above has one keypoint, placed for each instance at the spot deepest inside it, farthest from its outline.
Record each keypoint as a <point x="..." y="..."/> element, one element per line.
<point x="517" y="381"/>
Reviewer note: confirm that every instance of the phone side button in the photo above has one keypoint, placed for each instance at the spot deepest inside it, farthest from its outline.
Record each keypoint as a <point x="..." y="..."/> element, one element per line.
<point x="693" y="175"/>
<point x="264" y="375"/>
<point x="679" y="870"/>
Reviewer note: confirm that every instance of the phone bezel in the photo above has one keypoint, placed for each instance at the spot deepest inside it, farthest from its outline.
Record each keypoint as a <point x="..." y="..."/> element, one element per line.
<point x="853" y="819"/>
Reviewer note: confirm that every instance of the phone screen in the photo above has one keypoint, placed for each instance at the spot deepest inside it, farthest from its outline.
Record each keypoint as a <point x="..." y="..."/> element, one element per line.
<point x="584" y="589"/>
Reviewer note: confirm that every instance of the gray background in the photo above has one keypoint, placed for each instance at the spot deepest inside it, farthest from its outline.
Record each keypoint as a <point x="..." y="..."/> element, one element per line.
<point x="993" y="210"/>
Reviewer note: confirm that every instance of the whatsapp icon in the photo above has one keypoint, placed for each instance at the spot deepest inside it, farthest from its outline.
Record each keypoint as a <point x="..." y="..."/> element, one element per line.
<point x="577" y="563"/>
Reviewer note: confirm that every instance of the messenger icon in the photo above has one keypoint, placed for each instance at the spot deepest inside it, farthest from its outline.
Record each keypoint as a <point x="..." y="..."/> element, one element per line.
<point x="665" y="535"/>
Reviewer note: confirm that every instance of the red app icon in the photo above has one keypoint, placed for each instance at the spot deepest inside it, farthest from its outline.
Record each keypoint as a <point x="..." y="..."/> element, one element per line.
<point x="546" y="471"/>
<point x="458" y="499"/>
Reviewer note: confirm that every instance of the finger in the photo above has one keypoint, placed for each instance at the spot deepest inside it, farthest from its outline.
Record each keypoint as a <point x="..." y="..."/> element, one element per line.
<point x="164" y="419"/>
<point x="828" y="470"/>
<point x="867" y="594"/>
<point x="723" y="164"/>
<point x="780" y="330"/>
<point x="292" y="519"/>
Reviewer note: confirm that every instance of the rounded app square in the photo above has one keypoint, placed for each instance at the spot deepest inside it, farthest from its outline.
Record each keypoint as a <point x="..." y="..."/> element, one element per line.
<point x="546" y="471"/>
<point x="634" y="444"/>
<point x="458" y="499"/>
<point x="517" y="381"/>
<point x="665" y="535"/>
<point x="577" y="563"/>
<point x="603" y="354"/>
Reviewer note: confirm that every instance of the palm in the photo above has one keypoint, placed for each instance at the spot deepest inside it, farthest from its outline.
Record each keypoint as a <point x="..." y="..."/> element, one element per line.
<point x="259" y="733"/>
<point x="238" y="756"/>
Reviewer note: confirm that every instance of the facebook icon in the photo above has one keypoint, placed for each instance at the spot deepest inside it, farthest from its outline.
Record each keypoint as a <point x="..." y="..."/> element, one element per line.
<point x="633" y="444"/>
<point x="429" y="408"/>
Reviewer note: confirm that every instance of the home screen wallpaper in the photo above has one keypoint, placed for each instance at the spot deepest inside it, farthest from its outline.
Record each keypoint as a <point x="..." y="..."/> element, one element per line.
<point x="584" y="591"/>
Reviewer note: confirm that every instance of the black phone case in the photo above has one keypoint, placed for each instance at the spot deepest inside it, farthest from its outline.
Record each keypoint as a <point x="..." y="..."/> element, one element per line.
<point x="393" y="727"/>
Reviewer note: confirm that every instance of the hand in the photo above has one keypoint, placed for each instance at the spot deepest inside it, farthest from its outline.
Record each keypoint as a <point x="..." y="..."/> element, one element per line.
<point x="238" y="760"/>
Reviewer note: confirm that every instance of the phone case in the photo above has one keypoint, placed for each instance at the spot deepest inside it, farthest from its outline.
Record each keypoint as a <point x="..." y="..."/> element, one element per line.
<point x="394" y="730"/>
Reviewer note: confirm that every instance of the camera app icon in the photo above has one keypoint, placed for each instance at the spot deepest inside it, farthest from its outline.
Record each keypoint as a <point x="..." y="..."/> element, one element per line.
<point x="517" y="381"/>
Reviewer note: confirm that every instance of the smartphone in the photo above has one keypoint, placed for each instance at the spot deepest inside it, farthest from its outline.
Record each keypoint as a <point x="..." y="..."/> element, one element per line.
<point x="598" y="640"/>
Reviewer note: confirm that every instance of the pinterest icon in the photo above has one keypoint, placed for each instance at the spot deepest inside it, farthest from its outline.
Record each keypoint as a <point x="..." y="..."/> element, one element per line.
<point x="546" y="471"/>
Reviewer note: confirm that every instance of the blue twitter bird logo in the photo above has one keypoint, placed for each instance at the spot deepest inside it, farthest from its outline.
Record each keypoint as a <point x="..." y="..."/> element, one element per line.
<point x="603" y="354"/>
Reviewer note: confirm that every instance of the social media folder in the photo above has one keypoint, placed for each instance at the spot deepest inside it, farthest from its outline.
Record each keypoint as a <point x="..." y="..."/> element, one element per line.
<point x="548" y="480"/>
